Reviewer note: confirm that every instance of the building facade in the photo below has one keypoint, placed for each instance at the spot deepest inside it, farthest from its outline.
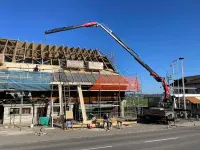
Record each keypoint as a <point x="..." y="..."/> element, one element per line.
<point x="192" y="92"/>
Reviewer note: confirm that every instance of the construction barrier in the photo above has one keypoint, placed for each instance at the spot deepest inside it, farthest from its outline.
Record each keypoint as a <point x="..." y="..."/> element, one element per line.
<point x="116" y="82"/>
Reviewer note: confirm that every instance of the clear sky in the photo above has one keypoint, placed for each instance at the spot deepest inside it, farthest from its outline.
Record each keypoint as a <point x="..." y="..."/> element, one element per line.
<point x="159" y="31"/>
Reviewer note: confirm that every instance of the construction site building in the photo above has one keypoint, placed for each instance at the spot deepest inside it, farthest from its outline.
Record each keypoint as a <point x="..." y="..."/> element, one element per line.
<point x="33" y="77"/>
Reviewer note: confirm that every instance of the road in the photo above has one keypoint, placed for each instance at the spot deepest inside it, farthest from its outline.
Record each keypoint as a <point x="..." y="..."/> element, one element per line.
<point x="172" y="139"/>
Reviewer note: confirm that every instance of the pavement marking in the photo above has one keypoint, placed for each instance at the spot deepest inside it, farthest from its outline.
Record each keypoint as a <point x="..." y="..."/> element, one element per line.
<point x="173" y="138"/>
<point x="97" y="148"/>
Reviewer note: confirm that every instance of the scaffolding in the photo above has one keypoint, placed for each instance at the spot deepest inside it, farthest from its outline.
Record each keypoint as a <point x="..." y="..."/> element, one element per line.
<point x="18" y="84"/>
<point x="107" y="90"/>
<point x="119" y="86"/>
<point x="22" y="80"/>
<point x="102" y="93"/>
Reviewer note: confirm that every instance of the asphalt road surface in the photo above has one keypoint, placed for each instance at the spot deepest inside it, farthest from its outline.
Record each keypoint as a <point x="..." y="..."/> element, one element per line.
<point x="172" y="139"/>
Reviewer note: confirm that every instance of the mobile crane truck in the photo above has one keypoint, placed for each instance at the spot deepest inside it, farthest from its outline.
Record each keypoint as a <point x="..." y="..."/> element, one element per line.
<point x="159" y="113"/>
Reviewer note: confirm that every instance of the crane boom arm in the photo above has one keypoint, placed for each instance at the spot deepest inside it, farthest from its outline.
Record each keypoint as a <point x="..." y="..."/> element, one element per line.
<point x="128" y="49"/>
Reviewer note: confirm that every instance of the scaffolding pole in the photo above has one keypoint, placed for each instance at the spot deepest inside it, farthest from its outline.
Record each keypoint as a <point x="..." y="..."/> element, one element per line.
<point x="52" y="106"/>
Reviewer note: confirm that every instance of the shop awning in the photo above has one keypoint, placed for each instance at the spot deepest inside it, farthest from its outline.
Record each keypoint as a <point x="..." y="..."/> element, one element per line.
<point x="194" y="100"/>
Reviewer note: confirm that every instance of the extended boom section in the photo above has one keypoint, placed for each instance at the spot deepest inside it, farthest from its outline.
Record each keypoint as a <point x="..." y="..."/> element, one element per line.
<point x="128" y="49"/>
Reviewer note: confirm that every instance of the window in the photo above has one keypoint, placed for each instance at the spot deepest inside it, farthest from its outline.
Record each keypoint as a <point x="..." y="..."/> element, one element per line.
<point x="14" y="111"/>
<point x="26" y="110"/>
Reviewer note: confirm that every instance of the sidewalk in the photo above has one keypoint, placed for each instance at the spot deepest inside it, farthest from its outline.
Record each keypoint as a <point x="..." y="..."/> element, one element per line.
<point x="187" y="123"/>
<point x="27" y="135"/>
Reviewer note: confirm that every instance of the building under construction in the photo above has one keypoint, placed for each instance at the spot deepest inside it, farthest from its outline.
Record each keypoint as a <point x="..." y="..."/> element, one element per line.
<point x="48" y="80"/>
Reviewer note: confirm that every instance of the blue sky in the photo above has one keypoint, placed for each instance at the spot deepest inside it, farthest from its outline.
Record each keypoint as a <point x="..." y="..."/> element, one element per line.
<point x="159" y="31"/>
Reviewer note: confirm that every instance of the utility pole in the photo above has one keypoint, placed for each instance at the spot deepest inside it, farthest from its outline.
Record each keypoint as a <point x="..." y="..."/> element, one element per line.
<point x="172" y="65"/>
<point x="183" y="83"/>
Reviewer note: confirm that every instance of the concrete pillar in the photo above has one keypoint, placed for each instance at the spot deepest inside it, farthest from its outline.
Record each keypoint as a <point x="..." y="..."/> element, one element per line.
<point x="60" y="98"/>
<point x="122" y="108"/>
<point x="32" y="115"/>
<point x="36" y="114"/>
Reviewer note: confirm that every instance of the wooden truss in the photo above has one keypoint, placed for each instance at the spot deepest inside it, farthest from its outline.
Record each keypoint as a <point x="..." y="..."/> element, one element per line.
<point x="28" y="52"/>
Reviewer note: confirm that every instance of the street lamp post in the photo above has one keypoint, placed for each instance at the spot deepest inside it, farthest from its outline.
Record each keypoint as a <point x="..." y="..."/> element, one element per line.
<point x="183" y="83"/>
<point x="179" y="103"/>
<point x="172" y="78"/>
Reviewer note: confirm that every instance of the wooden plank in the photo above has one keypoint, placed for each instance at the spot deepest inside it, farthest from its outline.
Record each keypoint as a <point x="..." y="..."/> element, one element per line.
<point x="5" y="47"/>
<point x="80" y="93"/>
<point x="15" y="51"/>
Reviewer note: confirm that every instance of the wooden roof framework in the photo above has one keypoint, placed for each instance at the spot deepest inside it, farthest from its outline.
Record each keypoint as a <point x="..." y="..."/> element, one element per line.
<point x="28" y="52"/>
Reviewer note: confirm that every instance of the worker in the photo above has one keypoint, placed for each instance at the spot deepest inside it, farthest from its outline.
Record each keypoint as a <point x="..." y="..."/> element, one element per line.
<point x="36" y="69"/>
<point x="35" y="74"/>
<point x="106" y="119"/>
